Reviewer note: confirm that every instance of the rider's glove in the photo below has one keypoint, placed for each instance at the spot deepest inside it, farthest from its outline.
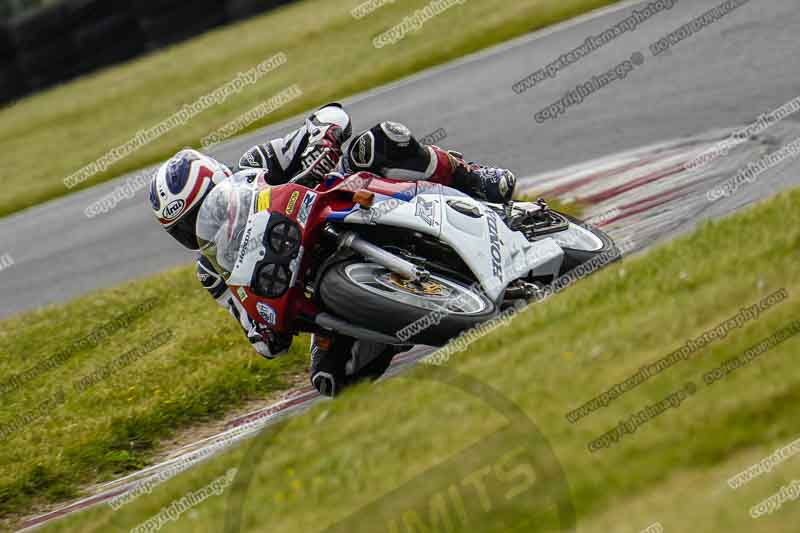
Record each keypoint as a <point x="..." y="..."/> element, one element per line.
<point x="255" y="157"/>
<point x="322" y="155"/>
<point x="268" y="343"/>
<point x="498" y="184"/>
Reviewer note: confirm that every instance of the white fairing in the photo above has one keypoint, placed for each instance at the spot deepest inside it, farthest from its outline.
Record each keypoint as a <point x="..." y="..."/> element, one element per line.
<point x="578" y="238"/>
<point x="251" y="249"/>
<point x="495" y="254"/>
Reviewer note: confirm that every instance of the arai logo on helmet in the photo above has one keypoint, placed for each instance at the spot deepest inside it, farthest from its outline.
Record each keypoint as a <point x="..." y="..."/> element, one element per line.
<point x="173" y="209"/>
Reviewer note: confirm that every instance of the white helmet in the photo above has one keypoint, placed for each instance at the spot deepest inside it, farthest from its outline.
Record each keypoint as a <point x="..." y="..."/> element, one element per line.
<point x="178" y="189"/>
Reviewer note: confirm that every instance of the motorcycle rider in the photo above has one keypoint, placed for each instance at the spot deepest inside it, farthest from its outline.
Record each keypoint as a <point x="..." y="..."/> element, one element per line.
<point x="322" y="146"/>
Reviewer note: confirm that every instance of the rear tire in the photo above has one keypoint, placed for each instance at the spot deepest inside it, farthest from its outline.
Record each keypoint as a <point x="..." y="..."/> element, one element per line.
<point x="363" y="304"/>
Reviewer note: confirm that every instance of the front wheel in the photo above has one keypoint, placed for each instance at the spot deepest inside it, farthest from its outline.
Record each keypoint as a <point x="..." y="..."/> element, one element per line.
<point x="578" y="249"/>
<point x="430" y="312"/>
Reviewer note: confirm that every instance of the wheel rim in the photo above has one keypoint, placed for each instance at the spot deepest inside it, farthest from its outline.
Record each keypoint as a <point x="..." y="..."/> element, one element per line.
<point x="435" y="294"/>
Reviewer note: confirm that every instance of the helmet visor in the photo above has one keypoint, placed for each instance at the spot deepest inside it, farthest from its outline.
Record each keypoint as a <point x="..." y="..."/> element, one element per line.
<point x="184" y="230"/>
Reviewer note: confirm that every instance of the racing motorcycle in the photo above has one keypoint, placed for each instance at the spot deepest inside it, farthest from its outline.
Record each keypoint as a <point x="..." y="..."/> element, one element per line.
<point x="367" y="257"/>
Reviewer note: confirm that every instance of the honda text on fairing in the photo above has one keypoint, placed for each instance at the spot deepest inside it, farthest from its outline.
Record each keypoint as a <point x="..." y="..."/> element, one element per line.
<point x="366" y="257"/>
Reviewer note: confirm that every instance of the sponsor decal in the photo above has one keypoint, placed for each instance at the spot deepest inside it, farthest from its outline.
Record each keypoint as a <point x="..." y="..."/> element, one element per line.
<point x="494" y="240"/>
<point x="173" y="209"/>
<point x="245" y="244"/>
<point x="310" y="157"/>
<point x="362" y="151"/>
<point x="264" y="200"/>
<point x="305" y="208"/>
<point x="310" y="154"/>
<point x="267" y="313"/>
<point x="369" y="216"/>
<point x="250" y="159"/>
<point x="203" y="277"/>
<point x="242" y="294"/>
<point x="292" y="202"/>
<point x="426" y="211"/>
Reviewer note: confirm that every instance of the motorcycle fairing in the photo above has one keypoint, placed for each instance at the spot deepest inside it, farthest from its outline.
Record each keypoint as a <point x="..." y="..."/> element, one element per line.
<point x="495" y="254"/>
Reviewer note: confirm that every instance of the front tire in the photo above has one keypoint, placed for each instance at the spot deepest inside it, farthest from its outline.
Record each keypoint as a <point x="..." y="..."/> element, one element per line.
<point x="368" y="295"/>
<point x="574" y="257"/>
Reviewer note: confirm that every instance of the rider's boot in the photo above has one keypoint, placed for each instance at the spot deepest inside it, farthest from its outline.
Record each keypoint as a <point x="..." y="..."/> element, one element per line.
<point x="494" y="185"/>
<point x="329" y="356"/>
<point x="338" y="362"/>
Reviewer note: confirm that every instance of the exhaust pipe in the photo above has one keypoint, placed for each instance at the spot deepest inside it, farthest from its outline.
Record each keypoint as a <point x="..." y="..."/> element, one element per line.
<point x="331" y="322"/>
<point x="378" y="255"/>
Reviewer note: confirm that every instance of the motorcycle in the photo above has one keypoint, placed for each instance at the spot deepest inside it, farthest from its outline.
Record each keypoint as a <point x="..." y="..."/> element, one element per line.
<point x="372" y="258"/>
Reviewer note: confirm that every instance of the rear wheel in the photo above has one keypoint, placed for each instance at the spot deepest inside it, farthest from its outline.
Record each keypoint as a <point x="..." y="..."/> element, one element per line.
<point x="430" y="312"/>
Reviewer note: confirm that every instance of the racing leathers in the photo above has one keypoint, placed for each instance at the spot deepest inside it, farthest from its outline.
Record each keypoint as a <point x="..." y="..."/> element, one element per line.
<point x="323" y="146"/>
<point x="266" y="342"/>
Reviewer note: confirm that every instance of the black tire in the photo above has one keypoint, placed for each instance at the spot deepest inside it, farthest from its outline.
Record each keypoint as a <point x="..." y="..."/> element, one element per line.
<point x="364" y="308"/>
<point x="574" y="258"/>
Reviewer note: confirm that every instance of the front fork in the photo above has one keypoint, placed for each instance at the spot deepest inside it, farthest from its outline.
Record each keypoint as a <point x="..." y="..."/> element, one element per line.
<point x="378" y="255"/>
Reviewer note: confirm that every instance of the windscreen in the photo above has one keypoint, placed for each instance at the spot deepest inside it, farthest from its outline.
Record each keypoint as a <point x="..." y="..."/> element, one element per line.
<point x="222" y="222"/>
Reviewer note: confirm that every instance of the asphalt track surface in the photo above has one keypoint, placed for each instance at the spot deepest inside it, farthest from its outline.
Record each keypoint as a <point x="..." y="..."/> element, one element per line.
<point x="723" y="76"/>
<point x="623" y="152"/>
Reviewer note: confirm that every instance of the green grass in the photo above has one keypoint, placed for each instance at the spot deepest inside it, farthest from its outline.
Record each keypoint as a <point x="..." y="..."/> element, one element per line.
<point x="330" y="462"/>
<point x="112" y="427"/>
<point x="330" y="55"/>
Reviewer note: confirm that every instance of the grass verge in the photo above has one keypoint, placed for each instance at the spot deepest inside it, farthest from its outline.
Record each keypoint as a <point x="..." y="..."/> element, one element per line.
<point x="338" y="459"/>
<point x="330" y="56"/>
<point x="88" y="389"/>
